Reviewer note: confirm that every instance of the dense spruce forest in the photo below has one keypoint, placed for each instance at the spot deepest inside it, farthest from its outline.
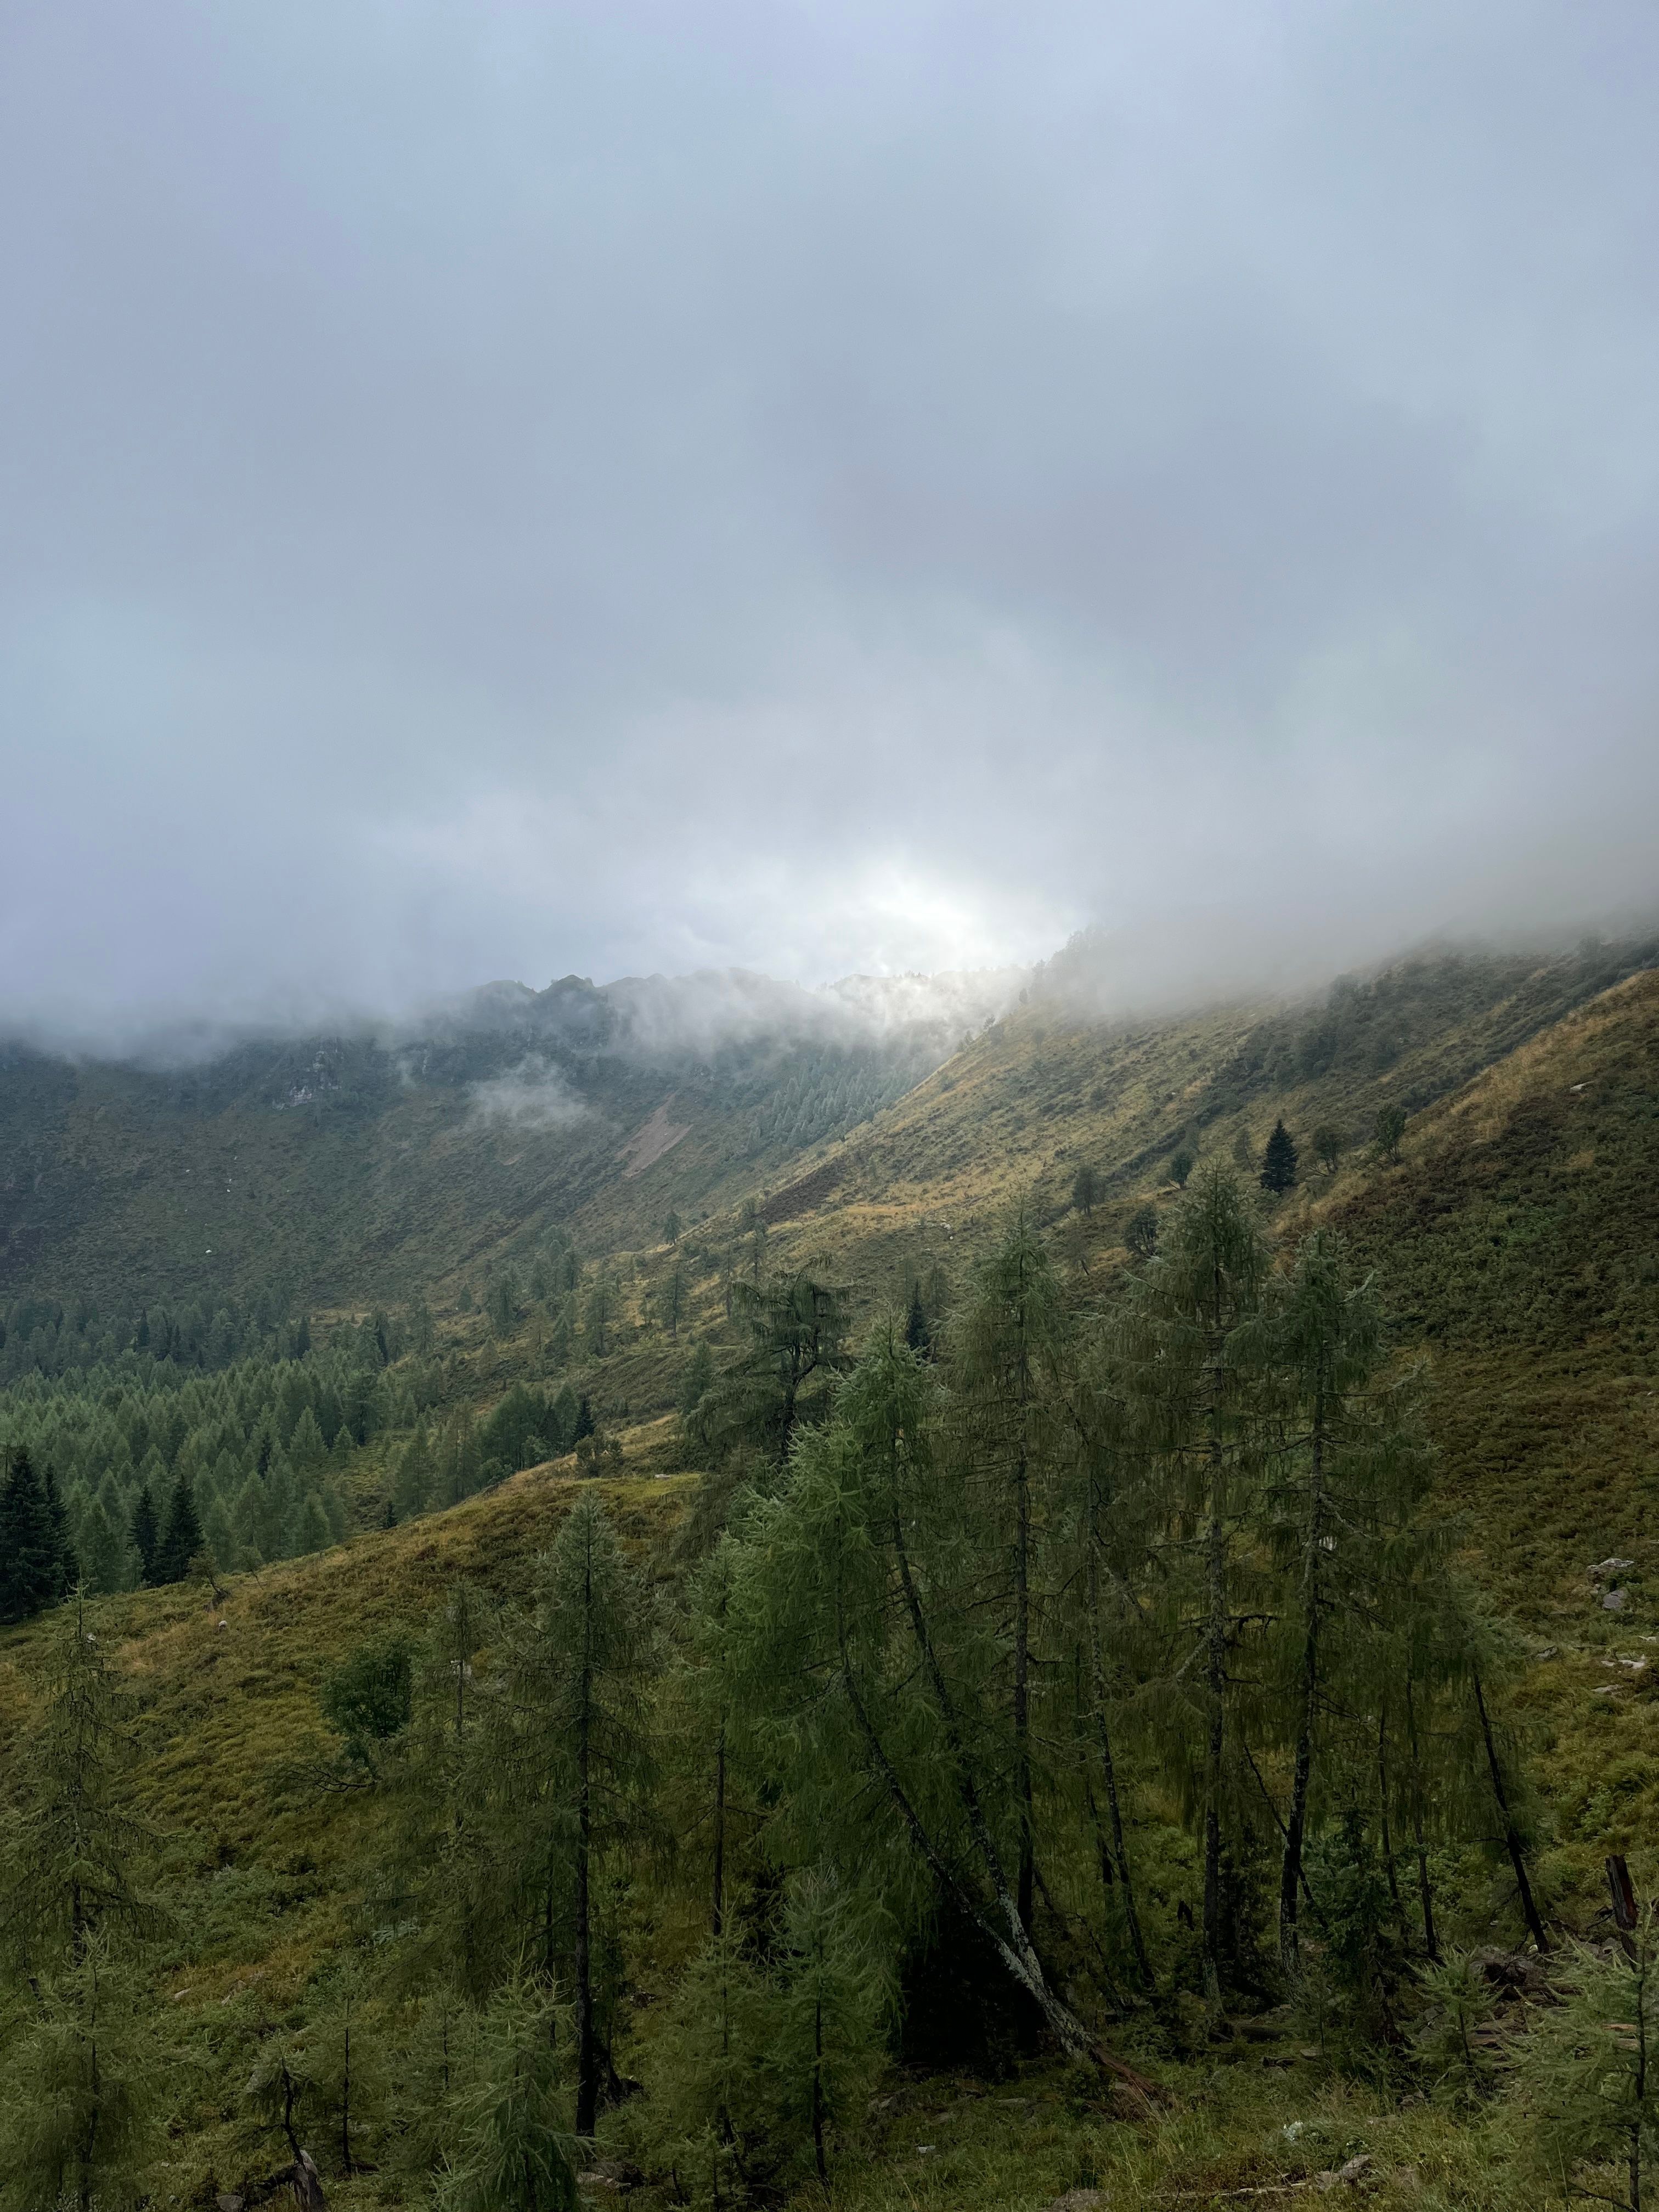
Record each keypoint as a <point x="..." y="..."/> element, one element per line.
<point x="1081" y="1637"/>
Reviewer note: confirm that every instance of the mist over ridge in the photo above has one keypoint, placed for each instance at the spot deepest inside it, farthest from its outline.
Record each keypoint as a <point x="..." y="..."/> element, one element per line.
<point x="492" y="492"/>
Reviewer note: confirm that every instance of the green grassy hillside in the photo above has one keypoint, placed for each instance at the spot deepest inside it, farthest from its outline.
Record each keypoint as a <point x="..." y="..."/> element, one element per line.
<point x="1516" y="1243"/>
<point x="357" y="1171"/>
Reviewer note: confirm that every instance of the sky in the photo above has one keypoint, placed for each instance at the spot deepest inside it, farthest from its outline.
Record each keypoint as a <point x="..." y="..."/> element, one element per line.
<point x="496" y="490"/>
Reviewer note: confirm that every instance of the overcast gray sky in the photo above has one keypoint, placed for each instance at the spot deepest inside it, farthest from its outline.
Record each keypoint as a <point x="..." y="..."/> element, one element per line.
<point x="492" y="490"/>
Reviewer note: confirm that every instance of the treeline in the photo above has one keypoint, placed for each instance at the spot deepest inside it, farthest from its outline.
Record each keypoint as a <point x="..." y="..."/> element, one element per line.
<point x="256" y="1457"/>
<point x="828" y="1092"/>
<point x="439" y="1466"/>
<point x="46" y="1337"/>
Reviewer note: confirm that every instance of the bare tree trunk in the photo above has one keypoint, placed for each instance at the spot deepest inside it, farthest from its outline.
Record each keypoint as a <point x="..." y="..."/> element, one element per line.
<point x="818" y="2089"/>
<point x="1383" y="1822"/>
<point x="1001" y="1923"/>
<point x="720" y="1830"/>
<point x="1215" y="1685"/>
<point x="1289" y="1871"/>
<point x="1425" y="1894"/>
<point x="1022" y="1678"/>
<point x="1511" y="1834"/>
<point x="1109" y="1767"/>
<point x="345" y="2103"/>
<point x="587" y="2069"/>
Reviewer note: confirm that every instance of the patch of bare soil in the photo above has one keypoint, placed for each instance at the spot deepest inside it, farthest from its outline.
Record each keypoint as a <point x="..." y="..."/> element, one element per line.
<point x="659" y="1135"/>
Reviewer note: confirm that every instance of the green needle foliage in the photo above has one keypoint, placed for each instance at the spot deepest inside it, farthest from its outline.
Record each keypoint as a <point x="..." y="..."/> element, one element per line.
<point x="82" y="2103"/>
<point x="713" y="2097"/>
<point x="795" y="1329"/>
<point x="1191" y="1350"/>
<point x="1453" y="2040"/>
<point x="563" y="1768"/>
<point x="837" y="1993"/>
<point x="1586" y="2074"/>
<point x="83" y="2099"/>
<point x="1344" y="1489"/>
<point x="511" y="2146"/>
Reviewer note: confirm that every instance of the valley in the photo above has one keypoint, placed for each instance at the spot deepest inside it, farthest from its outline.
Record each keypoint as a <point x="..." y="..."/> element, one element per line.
<point x="397" y="1249"/>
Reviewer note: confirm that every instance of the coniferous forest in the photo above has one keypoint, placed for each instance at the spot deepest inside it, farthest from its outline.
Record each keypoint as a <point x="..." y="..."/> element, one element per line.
<point x="1053" y="1706"/>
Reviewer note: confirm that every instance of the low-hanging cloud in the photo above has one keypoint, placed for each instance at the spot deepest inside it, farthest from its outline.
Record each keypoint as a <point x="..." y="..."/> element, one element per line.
<point x="495" y="491"/>
<point x="534" y="1096"/>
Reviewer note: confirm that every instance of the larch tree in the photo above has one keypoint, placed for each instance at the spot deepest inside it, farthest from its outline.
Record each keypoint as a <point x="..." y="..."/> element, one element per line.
<point x="861" y="1645"/>
<point x="1003" y="1357"/>
<point x="1187" y="1351"/>
<point x="81" y="2108"/>
<point x="835" y="1994"/>
<point x="569" y="1751"/>
<point x="1344" y="1490"/>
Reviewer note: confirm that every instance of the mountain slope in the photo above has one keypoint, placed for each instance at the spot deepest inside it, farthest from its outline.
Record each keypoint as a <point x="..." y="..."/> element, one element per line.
<point x="1516" y="1243"/>
<point x="359" y="1170"/>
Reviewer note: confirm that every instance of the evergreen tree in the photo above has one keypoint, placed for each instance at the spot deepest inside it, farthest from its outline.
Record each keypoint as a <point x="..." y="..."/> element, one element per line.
<point x="1140" y="1236"/>
<point x="564" y="1417"/>
<point x="598" y="1315"/>
<point x="1181" y="1164"/>
<point x="442" y="1870"/>
<point x="1351" y="1470"/>
<point x="76" y="1853"/>
<point x="673" y="1300"/>
<point x="711" y="2086"/>
<point x="583" y="1424"/>
<point x="66" y="1568"/>
<point x="345" y="2058"/>
<point x="307" y="1528"/>
<point x="694" y="1382"/>
<point x="33" y="1564"/>
<point x="256" y="1528"/>
<point x="708" y="1735"/>
<point x="411" y="1489"/>
<point x="1278" y="1161"/>
<point x="1085" y="1190"/>
<point x="796" y="1329"/>
<point x="84" y="2088"/>
<point x="104" y="1563"/>
<point x="860" y="1644"/>
<point x="1116" y="1540"/>
<point x="306" y="1447"/>
<point x="917" y="1334"/>
<point x="183" y="1539"/>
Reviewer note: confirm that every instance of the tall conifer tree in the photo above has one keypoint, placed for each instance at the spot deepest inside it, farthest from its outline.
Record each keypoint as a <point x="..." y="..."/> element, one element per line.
<point x="568" y="1746"/>
<point x="32" y="1546"/>
<point x="1005" y="1354"/>
<point x="1278" y="1161"/>
<point x="1190" y="1355"/>
<point x="182" y="1539"/>
<point x="81" y="2088"/>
